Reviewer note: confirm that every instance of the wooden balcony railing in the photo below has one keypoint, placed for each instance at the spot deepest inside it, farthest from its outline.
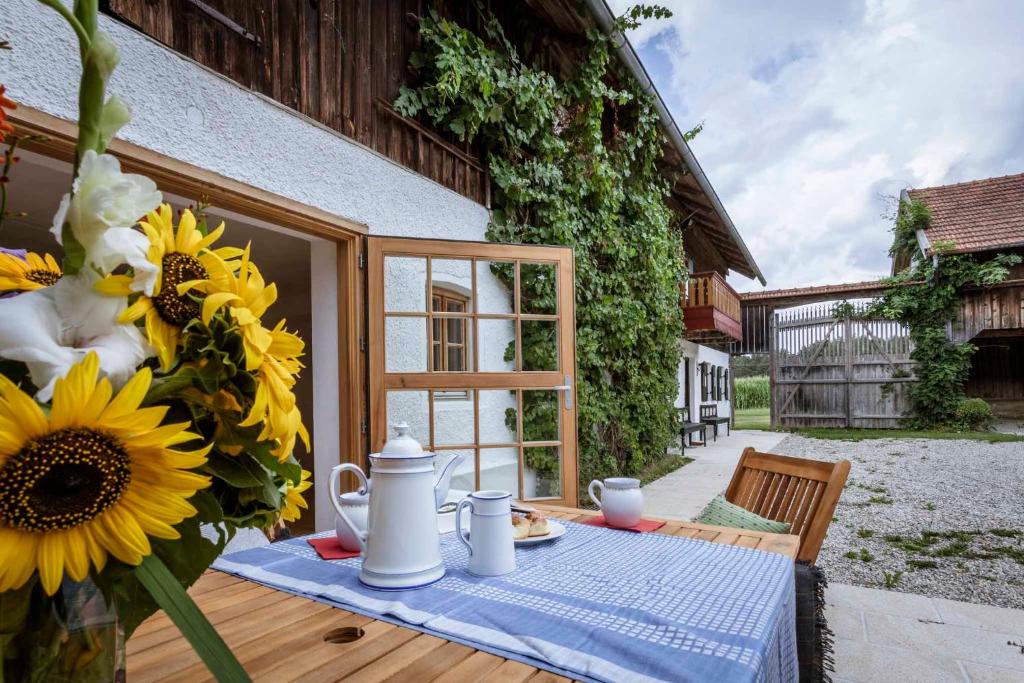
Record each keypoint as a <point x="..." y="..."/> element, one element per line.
<point x="711" y="309"/>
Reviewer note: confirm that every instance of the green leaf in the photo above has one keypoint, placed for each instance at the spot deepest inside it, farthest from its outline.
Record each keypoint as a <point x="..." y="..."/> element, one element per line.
<point x="240" y="471"/>
<point x="172" y="598"/>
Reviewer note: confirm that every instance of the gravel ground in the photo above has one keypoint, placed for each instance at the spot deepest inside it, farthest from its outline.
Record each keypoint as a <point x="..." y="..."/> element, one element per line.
<point x="910" y="504"/>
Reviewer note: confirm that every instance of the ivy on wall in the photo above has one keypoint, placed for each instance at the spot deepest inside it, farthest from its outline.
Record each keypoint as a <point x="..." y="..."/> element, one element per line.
<point x="575" y="163"/>
<point x="925" y="297"/>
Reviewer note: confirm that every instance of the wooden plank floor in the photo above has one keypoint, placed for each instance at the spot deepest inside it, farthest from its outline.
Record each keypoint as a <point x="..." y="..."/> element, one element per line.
<point x="279" y="637"/>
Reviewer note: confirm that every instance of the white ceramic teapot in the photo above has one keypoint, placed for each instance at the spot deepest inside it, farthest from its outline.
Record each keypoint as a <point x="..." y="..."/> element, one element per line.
<point x="400" y="545"/>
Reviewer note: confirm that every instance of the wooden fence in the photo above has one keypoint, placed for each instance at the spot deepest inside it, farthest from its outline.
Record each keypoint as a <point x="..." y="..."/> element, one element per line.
<point x="839" y="371"/>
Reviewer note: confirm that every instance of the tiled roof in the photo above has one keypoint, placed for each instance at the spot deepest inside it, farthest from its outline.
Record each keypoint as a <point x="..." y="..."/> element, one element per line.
<point x="978" y="215"/>
<point x="866" y="288"/>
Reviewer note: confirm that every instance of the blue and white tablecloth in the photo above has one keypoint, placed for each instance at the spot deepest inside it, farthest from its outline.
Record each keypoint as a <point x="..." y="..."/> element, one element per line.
<point x="595" y="604"/>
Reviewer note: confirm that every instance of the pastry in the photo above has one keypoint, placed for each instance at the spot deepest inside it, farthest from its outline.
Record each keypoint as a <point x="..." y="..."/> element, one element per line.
<point x="520" y="527"/>
<point x="538" y="524"/>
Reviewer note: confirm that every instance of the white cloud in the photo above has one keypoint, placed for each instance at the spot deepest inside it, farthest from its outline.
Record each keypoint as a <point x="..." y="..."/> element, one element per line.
<point x="814" y="111"/>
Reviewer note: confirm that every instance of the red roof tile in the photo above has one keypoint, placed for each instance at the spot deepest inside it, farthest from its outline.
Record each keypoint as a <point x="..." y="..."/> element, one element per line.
<point x="979" y="215"/>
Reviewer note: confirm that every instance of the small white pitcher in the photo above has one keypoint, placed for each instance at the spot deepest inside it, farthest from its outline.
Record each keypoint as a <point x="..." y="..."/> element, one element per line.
<point x="621" y="502"/>
<point x="492" y="550"/>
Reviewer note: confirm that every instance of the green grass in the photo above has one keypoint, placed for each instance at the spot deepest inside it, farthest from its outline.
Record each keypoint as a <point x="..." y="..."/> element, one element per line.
<point x="862" y="434"/>
<point x="662" y="467"/>
<point x="753" y="418"/>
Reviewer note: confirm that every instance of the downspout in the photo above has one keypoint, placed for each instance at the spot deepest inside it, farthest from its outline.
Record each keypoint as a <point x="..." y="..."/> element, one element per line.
<point x="606" y="20"/>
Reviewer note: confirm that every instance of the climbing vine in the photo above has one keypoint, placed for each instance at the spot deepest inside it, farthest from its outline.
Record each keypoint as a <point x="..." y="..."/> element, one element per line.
<point x="574" y="163"/>
<point x="925" y="296"/>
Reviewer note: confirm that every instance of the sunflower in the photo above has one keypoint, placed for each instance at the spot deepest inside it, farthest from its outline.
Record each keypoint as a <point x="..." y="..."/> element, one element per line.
<point x="96" y="475"/>
<point x="274" y="402"/>
<point x="246" y="296"/>
<point x="179" y="257"/>
<point x="25" y="274"/>
<point x="293" y="499"/>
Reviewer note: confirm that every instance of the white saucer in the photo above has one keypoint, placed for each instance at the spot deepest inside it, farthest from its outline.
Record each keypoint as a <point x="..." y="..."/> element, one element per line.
<point x="555" y="530"/>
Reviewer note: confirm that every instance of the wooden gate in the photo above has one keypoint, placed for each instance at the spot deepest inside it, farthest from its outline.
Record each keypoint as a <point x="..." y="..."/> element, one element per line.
<point x="844" y="370"/>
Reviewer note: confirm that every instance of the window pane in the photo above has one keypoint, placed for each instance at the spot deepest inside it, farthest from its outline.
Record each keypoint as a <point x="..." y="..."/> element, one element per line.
<point x="410" y="407"/>
<point x="541" y="415"/>
<point x="497" y="350"/>
<point x="538" y="288"/>
<point x="494" y="286"/>
<point x="498" y="416"/>
<point x="540" y="345"/>
<point x="453" y="418"/>
<point x="405" y="284"/>
<point x="456" y="330"/>
<point x="542" y="472"/>
<point x="405" y="344"/>
<point x="456" y="358"/>
<point x="452" y="278"/>
<point x="463" y="477"/>
<point x="499" y="470"/>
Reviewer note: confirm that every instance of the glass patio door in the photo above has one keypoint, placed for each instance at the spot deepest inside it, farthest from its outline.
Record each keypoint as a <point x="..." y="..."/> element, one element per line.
<point x="473" y="345"/>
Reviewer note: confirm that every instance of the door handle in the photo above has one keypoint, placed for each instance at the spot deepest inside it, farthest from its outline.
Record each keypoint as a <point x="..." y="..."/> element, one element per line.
<point x="567" y="389"/>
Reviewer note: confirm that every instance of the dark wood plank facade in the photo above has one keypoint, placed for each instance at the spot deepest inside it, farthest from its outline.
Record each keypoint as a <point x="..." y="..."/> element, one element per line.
<point x="339" y="62"/>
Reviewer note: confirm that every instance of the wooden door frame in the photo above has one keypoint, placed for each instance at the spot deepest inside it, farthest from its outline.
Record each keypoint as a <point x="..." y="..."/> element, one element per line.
<point x="380" y="381"/>
<point x="184" y="179"/>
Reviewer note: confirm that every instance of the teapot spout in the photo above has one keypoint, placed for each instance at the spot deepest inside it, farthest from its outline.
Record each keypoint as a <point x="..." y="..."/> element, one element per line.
<point x="443" y="479"/>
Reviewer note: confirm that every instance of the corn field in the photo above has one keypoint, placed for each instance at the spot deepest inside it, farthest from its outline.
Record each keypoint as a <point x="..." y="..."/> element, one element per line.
<point x="752" y="392"/>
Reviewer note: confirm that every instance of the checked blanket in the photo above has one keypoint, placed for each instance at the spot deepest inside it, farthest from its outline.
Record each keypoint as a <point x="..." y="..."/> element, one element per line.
<point x="595" y="604"/>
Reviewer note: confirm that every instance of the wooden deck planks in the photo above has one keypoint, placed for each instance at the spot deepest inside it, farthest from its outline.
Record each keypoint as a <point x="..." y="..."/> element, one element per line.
<point x="263" y="626"/>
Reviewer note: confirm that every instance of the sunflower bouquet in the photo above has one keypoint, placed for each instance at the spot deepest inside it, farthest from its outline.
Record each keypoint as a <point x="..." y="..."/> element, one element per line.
<point x="146" y="408"/>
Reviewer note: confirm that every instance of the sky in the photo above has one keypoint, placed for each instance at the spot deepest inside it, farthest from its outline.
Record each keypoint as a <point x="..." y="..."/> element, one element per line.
<point x="817" y="113"/>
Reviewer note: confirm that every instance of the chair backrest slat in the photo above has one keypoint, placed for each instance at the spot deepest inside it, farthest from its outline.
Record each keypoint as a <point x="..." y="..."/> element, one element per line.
<point x="795" y="490"/>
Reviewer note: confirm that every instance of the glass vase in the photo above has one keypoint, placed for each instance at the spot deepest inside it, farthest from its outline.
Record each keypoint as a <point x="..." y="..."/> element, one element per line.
<point x="74" y="636"/>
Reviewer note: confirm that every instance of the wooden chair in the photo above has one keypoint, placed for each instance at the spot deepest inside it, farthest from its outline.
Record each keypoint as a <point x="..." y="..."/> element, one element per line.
<point x="709" y="416"/>
<point x="795" y="490"/>
<point x="687" y="428"/>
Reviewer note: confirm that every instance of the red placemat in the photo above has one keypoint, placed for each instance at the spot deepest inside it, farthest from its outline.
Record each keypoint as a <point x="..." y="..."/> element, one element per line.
<point x="642" y="526"/>
<point x="328" y="548"/>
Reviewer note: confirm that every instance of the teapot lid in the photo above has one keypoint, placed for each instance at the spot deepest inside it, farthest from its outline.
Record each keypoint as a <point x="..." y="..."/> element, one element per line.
<point x="402" y="445"/>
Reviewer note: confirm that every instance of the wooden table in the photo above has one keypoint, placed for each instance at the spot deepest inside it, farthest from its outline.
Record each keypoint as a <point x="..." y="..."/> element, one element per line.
<point x="279" y="637"/>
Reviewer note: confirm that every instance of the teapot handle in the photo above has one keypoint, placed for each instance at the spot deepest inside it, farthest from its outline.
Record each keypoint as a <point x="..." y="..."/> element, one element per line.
<point x="333" y="487"/>
<point x="596" y="483"/>
<point x="464" y="503"/>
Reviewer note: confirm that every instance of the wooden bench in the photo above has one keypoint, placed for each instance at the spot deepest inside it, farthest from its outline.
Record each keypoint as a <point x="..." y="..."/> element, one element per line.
<point x="795" y="490"/>
<point x="687" y="428"/>
<point x="709" y="416"/>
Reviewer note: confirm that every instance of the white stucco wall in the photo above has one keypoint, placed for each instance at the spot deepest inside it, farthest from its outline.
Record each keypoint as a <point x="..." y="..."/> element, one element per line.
<point x="700" y="354"/>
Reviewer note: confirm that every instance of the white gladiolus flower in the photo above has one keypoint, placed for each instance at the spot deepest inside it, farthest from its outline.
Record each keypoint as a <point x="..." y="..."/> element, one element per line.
<point x="105" y="204"/>
<point x="54" y="328"/>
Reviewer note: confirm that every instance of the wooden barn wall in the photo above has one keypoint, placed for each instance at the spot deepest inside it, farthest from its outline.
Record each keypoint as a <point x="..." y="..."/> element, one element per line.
<point x="340" y="62"/>
<point x="996" y="308"/>
<point x="997" y="369"/>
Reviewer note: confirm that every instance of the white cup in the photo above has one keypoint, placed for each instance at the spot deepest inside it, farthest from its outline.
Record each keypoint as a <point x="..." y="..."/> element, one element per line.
<point x="621" y="502"/>
<point x="492" y="550"/>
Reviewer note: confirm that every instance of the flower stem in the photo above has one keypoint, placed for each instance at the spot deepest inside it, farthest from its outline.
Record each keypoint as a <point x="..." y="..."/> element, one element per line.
<point x="84" y="40"/>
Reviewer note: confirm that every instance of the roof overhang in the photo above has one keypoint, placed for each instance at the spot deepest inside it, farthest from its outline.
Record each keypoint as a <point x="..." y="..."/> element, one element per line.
<point x="719" y="226"/>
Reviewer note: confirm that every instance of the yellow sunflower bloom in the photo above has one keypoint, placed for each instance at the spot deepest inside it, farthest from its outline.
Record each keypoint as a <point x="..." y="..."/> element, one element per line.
<point x="246" y="296"/>
<point x="293" y="499"/>
<point x="179" y="256"/>
<point x="24" y="275"/>
<point x="97" y="475"/>
<point x="274" y="403"/>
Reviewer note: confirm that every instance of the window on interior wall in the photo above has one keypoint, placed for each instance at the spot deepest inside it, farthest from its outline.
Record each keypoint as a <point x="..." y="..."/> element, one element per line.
<point x="449" y="346"/>
<point x="703" y="381"/>
<point x="725" y="384"/>
<point x="721" y="385"/>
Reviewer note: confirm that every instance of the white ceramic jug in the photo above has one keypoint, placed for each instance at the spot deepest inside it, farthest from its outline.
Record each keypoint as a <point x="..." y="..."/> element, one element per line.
<point x="356" y="505"/>
<point x="621" y="501"/>
<point x="492" y="550"/>
<point x="400" y="545"/>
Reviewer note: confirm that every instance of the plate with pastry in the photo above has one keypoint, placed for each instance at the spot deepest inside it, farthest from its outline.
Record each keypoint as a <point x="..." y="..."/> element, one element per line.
<point x="534" y="527"/>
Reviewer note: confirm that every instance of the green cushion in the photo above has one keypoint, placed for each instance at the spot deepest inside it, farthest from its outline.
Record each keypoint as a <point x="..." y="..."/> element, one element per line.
<point x="721" y="512"/>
